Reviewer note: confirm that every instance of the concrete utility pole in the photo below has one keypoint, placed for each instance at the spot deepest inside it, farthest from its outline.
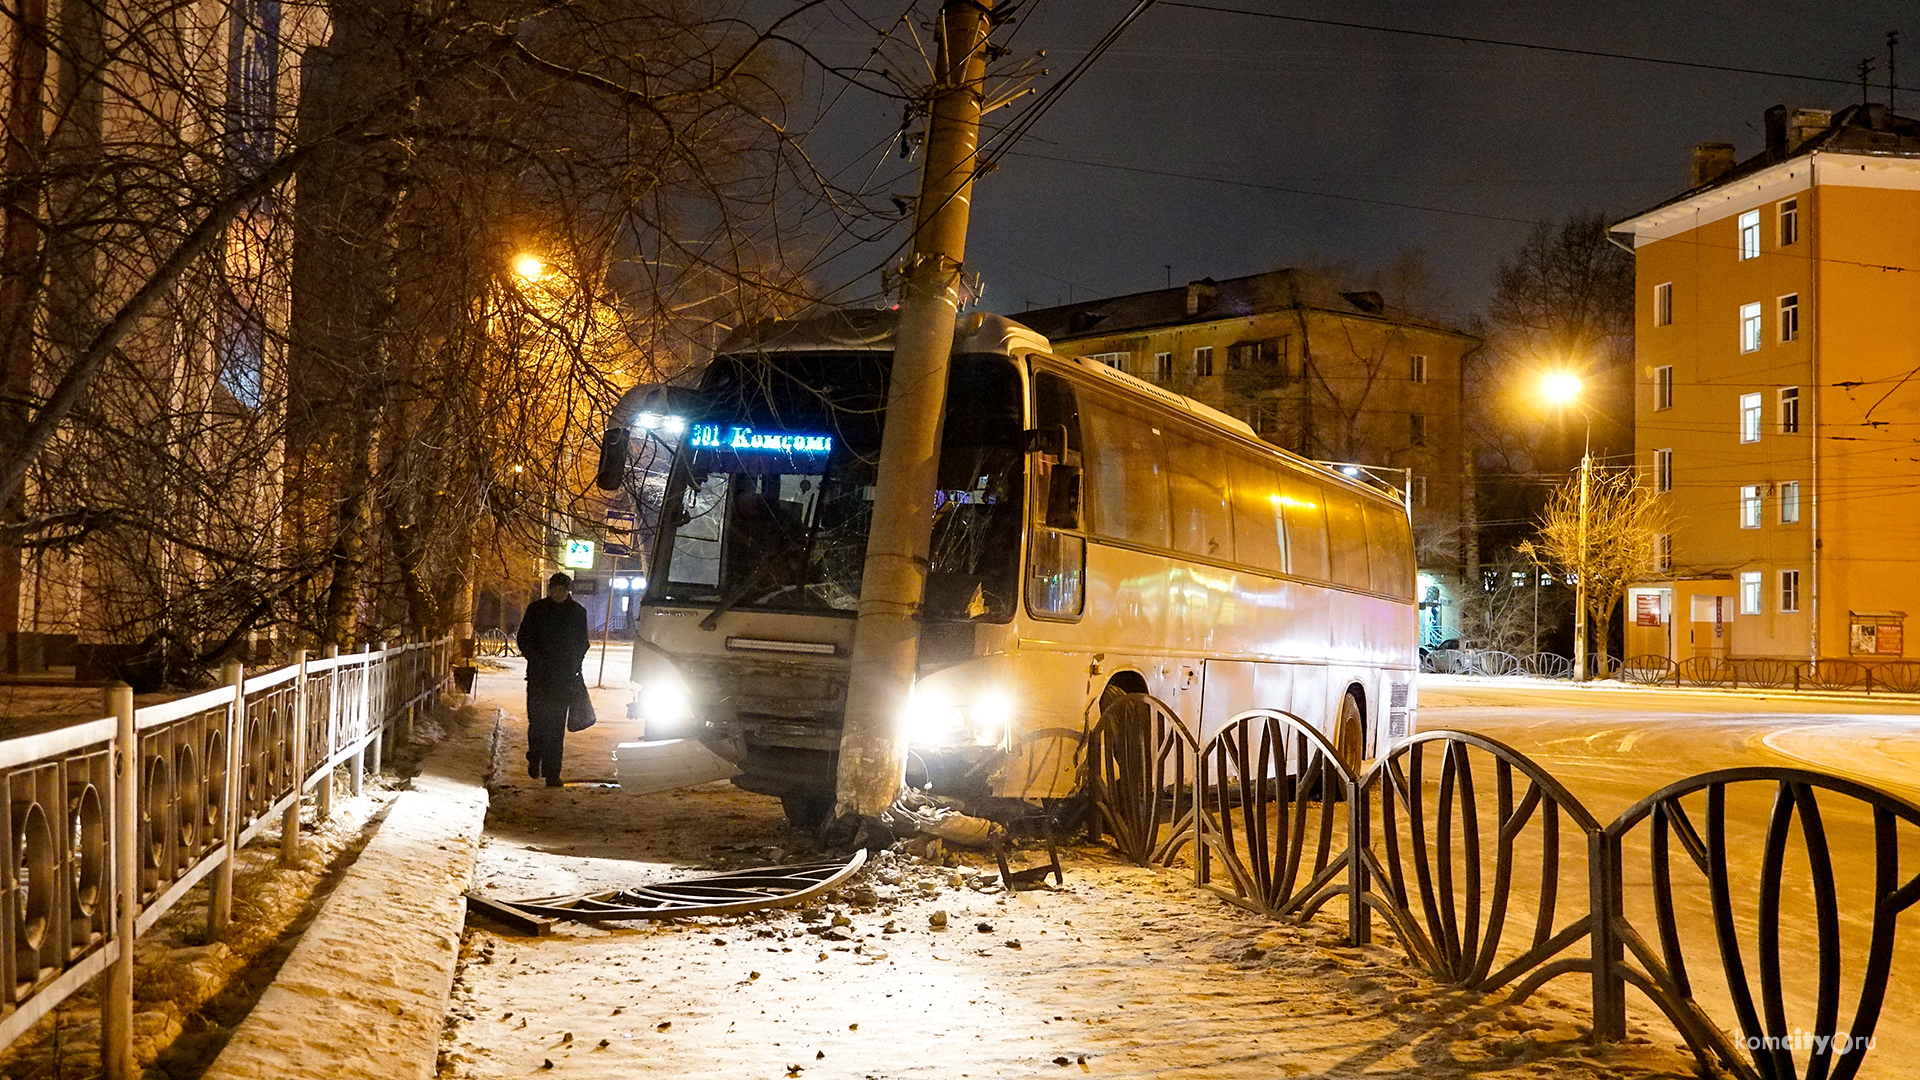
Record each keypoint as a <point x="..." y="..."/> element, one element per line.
<point x="873" y="740"/>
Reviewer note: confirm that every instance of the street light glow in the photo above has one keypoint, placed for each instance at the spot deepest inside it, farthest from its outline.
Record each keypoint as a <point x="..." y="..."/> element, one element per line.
<point x="529" y="267"/>
<point x="1561" y="388"/>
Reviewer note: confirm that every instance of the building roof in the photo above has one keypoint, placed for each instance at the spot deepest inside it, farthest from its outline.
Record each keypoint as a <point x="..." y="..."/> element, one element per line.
<point x="1206" y="301"/>
<point x="1856" y="129"/>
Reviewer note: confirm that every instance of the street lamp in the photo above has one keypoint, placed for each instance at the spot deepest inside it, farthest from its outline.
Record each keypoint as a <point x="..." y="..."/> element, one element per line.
<point x="529" y="267"/>
<point x="1563" y="389"/>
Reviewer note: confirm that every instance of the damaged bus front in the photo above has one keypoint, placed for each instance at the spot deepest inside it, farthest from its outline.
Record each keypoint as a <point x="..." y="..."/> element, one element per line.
<point x="747" y="621"/>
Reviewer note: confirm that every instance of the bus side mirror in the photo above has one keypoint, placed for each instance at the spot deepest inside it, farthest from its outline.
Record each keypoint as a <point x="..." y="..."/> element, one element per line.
<point x="612" y="473"/>
<point x="1050" y="440"/>
<point x="1063" y="497"/>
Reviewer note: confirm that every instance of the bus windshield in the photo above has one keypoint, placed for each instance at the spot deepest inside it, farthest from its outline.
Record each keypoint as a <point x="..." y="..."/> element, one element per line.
<point x="772" y="491"/>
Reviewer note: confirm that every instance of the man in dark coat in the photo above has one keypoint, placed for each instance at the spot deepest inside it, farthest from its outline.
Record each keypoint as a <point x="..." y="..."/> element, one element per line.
<point x="553" y="638"/>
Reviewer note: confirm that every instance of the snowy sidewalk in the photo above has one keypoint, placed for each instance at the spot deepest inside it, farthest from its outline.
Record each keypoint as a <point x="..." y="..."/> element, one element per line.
<point x="1122" y="972"/>
<point x="364" y="993"/>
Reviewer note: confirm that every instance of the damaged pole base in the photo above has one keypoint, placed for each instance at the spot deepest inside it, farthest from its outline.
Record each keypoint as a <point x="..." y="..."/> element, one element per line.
<point x="856" y="831"/>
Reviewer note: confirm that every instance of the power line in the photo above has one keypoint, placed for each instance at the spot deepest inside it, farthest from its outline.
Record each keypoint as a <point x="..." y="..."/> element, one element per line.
<point x="1469" y="39"/>
<point x="1273" y="187"/>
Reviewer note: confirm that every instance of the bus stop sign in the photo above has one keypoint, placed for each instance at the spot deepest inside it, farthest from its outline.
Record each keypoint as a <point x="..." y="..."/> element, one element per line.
<point x="578" y="555"/>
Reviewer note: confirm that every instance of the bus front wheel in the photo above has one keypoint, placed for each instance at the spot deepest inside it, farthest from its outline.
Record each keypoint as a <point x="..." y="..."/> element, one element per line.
<point x="806" y="809"/>
<point x="1350" y="733"/>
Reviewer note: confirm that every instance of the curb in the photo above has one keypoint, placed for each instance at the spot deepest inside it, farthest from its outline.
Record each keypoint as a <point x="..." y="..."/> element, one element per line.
<point x="365" y="992"/>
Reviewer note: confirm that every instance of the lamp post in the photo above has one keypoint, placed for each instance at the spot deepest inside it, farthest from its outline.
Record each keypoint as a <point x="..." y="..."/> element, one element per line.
<point x="1564" y="389"/>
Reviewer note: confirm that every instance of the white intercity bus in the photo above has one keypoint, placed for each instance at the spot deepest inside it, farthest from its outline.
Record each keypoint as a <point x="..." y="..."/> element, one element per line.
<point x="1094" y="535"/>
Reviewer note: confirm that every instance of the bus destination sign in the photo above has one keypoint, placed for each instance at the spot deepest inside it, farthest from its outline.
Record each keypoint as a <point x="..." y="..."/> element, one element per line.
<point x="741" y="439"/>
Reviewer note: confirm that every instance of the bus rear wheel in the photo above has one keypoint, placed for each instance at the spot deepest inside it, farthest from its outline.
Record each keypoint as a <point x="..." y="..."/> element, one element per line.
<point x="1350" y="733"/>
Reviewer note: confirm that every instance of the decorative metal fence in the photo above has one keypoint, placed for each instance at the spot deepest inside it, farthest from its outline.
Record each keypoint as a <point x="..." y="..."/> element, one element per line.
<point x="110" y="822"/>
<point x="1884" y="676"/>
<point x="1888" y="676"/>
<point x="1493" y="876"/>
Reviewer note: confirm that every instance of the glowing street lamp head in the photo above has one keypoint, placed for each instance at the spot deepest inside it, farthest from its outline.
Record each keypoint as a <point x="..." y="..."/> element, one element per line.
<point x="1561" y="389"/>
<point x="529" y="267"/>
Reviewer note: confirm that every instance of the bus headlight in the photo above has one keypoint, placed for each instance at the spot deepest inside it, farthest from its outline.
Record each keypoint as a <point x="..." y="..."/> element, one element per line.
<point x="665" y="707"/>
<point x="939" y="723"/>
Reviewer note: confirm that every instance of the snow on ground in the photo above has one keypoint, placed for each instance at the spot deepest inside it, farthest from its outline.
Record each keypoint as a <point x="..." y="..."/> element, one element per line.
<point x="1124" y="971"/>
<point x="190" y="992"/>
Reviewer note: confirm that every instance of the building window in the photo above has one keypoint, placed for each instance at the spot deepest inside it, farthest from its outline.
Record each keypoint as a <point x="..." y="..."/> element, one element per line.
<point x="1749" y="327"/>
<point x="1203" y="360"/>
<point x="1749" y="417"/>
<point x="1790" y="317"/>
<point x="1416" y="429"/>
<point x="1750" y="506"/>
<point x="1163" y="365"/>
<point x="1265" y="419"/>
<point x="1246" y="355"/>
<point x="1789" y="410"/>
<point x="1789" y="590"/>
<point x="1749" y="592"/>
<point x="1419" y="491"/>
<point x="1789" y="222"/>
<point x="1663" y="552"/>
<point x="1750" y="234"/>
<point x="1663" y="387"/>
<point x="1790" y="502"/>
<point x="1663" y="304"/>
<point x="1112" y="359"/>
<point x="1663" y="470"/>
<point x="1419" y="368"/>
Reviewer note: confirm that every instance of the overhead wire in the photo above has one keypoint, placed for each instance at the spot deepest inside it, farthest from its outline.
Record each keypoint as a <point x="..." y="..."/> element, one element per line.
<point x="1470" y="39"/>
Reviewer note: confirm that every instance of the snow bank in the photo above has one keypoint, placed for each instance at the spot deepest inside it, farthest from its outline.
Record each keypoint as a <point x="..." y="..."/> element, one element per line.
<point x="364" y="993"/>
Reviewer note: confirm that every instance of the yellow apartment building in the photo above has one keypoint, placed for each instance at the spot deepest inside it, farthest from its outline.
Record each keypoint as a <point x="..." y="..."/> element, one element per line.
<point x="1778" y="394"/>
<point x="1330" y="375"/>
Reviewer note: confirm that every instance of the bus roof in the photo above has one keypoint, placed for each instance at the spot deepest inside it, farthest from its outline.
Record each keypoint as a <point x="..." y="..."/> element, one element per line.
<point x="872" y="330"/>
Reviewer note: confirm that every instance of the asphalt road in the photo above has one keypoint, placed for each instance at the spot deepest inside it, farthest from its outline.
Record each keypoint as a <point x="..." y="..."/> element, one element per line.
<point x="1611" y="746"/>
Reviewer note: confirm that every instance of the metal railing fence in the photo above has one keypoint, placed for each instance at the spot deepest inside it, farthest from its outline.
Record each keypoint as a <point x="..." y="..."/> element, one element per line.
<point x="1493" y="876"/>
<point x="1756" y="673"/>
<point x="111" y="822"/>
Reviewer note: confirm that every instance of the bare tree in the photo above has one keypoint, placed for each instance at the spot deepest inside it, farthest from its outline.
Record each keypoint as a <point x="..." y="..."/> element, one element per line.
<point x="1624" y="521"/>
<point x="1509" y="610"/>
<point x="233" y="407"/>
<point x="1564" y="302"/>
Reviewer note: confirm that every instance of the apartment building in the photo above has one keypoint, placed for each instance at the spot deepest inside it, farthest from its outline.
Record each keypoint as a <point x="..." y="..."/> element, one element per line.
<point x="1327" y="374"/>
<point x="1778" y="402"/>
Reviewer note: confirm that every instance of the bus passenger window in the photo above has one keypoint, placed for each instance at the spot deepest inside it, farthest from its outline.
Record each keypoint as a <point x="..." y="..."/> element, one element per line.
<point x="1347" y="541"/>
<point x="1257" y="538"/>
<point x="1126" y="470"/>
<point x="1303" y="506"/>
<point x="1392" y="545"/>
<point x="1056" y="575"/>
<point x="1197" y="482"/>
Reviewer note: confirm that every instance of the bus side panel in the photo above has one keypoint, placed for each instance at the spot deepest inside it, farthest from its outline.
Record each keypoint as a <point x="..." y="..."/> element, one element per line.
<point x="1234" y="686"/>
<point x="1044" y="758"/>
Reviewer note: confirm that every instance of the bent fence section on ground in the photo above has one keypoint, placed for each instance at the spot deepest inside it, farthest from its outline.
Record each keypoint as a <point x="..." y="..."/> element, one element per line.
<point x="112" y="821"/>
<point x="1493" y="877"/>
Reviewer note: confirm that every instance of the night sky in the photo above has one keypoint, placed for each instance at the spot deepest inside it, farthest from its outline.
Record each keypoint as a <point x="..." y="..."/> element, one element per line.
<point x="1483" y="138"/>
